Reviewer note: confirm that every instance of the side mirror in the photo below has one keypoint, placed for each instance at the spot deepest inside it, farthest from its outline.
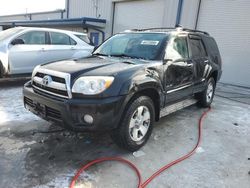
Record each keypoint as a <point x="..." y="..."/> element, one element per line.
<point x="17" y="41"/>
<point x="166" y="60"/>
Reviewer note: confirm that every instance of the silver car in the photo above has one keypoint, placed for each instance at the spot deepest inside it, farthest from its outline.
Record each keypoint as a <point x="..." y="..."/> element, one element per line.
<point x="22" y="48"/>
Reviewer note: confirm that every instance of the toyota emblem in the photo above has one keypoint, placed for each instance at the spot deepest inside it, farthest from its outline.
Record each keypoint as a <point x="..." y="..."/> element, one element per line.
<point x="47" y="80"/>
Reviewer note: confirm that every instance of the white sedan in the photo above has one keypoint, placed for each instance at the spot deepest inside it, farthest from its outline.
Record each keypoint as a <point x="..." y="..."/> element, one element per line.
<point x="23" y="48"/>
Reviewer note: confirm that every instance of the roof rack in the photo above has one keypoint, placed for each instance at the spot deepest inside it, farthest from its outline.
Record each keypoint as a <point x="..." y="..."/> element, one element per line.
<point x="153" y="28"/>
<point x="194" y="30"/>
<point x="169" y="28"/>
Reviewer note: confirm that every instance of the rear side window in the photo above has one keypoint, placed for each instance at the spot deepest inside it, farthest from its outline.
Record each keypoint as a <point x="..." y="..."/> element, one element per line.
<point x="84" y="38"/>
<point x="212" y="49"/>
<point x="33" y="37"/>
<point x="197" y="48"/>
<point x="211" y="45"/>
<point x="61" y="39"/>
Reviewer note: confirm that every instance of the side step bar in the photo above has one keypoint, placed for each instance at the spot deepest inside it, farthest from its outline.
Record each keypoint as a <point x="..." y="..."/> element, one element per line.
<point x="177" y="106"/>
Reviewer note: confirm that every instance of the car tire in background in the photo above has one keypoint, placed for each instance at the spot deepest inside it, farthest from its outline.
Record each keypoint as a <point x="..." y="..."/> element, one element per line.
<point x="136" y="124"/>
<point x="1" y="70"/>
<point x="205" y="98"/>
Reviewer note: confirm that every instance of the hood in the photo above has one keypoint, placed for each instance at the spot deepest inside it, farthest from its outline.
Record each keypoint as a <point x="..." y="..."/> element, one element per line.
<point x="95" y="66"/>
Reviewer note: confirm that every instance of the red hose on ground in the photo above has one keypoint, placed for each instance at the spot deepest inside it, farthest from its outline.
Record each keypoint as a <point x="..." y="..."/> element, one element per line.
<point x="144" y="184"/>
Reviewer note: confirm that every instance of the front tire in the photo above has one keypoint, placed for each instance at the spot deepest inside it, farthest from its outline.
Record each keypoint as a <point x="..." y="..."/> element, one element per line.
<point x="205" y="98"/>
<point x="136" y="124"/>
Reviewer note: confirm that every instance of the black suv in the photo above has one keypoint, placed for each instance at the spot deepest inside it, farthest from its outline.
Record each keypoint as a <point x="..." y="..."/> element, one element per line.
<point x="130" y="81"/>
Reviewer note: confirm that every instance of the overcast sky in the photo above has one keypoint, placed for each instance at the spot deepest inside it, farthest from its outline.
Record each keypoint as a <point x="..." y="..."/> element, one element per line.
<point x="21" y="6"/>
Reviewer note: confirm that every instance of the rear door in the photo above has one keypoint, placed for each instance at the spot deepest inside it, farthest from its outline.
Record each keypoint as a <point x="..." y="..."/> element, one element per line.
<point x="200" y="61"/>
<point x="61" y="46"/>
<point x="24" y="57"/>
<point x="178" y="69"/>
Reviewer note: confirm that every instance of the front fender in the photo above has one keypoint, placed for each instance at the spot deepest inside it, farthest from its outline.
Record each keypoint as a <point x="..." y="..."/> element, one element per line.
<point x="140" y="83"/>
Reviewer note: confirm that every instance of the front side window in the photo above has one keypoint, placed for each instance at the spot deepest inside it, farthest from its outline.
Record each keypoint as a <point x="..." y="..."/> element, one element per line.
<point x="33" y="37"/>
<point x="148" y="46"/>
<point x="61" y="39"/>
<point x="197" y="48"/>
<point x="177" y="49"/>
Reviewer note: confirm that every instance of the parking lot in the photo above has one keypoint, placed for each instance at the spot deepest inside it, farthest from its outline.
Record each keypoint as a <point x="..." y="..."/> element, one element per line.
<point x="35" y="153"/>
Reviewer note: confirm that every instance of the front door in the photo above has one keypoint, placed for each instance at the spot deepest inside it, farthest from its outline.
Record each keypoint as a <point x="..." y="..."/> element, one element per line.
<point x="24" y="57"/>
<point x="178" y="69"/>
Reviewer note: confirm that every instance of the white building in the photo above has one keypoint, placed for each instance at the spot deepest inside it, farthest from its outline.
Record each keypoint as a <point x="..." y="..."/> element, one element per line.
<point x="226" y="20"/>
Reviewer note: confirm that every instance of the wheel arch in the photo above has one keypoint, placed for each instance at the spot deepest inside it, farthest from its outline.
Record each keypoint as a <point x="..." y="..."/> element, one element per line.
<point x="214" y="74"/>
<point x="153" y="94"/>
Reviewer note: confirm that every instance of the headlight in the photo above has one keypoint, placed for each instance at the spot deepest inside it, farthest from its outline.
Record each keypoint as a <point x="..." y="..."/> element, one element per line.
<point x="92" y="85"/>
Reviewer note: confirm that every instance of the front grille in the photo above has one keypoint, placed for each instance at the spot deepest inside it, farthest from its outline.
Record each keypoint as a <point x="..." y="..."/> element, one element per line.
<point x="28" y="101"/>
<point x="48" y="112"/>
<point x="54" y="78"/>
<point x="55" y="83"/>
<point x="52" y="90"/>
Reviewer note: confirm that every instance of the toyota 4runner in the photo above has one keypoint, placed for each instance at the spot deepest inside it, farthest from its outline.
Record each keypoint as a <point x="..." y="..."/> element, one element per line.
<point x="130" y="81"/>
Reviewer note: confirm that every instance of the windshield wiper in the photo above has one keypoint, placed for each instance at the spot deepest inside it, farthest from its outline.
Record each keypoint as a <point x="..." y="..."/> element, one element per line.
<point x="127" y="56"/>
<point x="97" y="54"/>
<point x="122" y="55"/>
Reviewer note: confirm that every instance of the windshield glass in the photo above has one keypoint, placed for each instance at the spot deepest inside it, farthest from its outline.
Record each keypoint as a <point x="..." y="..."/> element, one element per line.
<point x="147" y="46"/>
<point x="9" y="32"/>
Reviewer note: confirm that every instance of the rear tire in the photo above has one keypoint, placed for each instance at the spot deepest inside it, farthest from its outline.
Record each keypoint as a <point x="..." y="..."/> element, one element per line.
<point x="205" y="98"/>
<point x="136" y="124"/>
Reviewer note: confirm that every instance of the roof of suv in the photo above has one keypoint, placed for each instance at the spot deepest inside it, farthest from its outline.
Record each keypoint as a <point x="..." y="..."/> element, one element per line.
<point x="168" y="30"/>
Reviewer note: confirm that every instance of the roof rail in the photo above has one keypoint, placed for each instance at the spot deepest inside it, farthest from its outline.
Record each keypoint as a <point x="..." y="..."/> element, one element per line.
<point x="153" y="28"/>
<point x="169" y="28"/>
<point x="194" y="30"/>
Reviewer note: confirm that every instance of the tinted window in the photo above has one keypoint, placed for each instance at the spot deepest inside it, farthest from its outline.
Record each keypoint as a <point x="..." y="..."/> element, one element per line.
<point x="177" y="49"/>
<point x="212" y="49"/>
<point x="33" y="37"/>
<point x="61" y="39"/>
<point x="197" y="48"/>
<point x="84" y="38"/>
<point x="211" y="44"/>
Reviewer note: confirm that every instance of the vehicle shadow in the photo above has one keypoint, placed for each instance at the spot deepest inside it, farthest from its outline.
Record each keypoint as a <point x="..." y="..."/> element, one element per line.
<point x="62" y="152"/>
<point x="12" y="82"/>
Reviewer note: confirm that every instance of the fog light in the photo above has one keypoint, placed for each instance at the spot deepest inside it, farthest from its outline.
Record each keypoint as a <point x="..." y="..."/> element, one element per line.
<point x="88" y="118"/>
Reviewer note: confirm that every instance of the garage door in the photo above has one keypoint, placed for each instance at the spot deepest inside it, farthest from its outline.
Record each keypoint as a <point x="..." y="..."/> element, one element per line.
<point x="143" y="14"/>
<point x="228" y="21"/>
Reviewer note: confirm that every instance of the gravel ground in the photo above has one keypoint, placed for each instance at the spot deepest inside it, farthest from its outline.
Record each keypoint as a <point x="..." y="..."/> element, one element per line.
<point x="35" y="153"/>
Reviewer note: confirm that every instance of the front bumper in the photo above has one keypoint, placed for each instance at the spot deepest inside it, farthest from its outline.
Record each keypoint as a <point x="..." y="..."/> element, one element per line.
<point x="106" y="112"/>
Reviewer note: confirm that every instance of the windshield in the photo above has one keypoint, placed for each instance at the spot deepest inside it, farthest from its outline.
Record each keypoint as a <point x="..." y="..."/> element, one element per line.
<point x="9" y="32"/>
<point x="147" y="46"/>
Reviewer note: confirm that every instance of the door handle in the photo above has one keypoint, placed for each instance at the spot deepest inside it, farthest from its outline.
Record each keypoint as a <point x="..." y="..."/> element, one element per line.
<point x="72" y="48"/>
<point x="42" y="49"/>
<point x="206" y="61"/>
